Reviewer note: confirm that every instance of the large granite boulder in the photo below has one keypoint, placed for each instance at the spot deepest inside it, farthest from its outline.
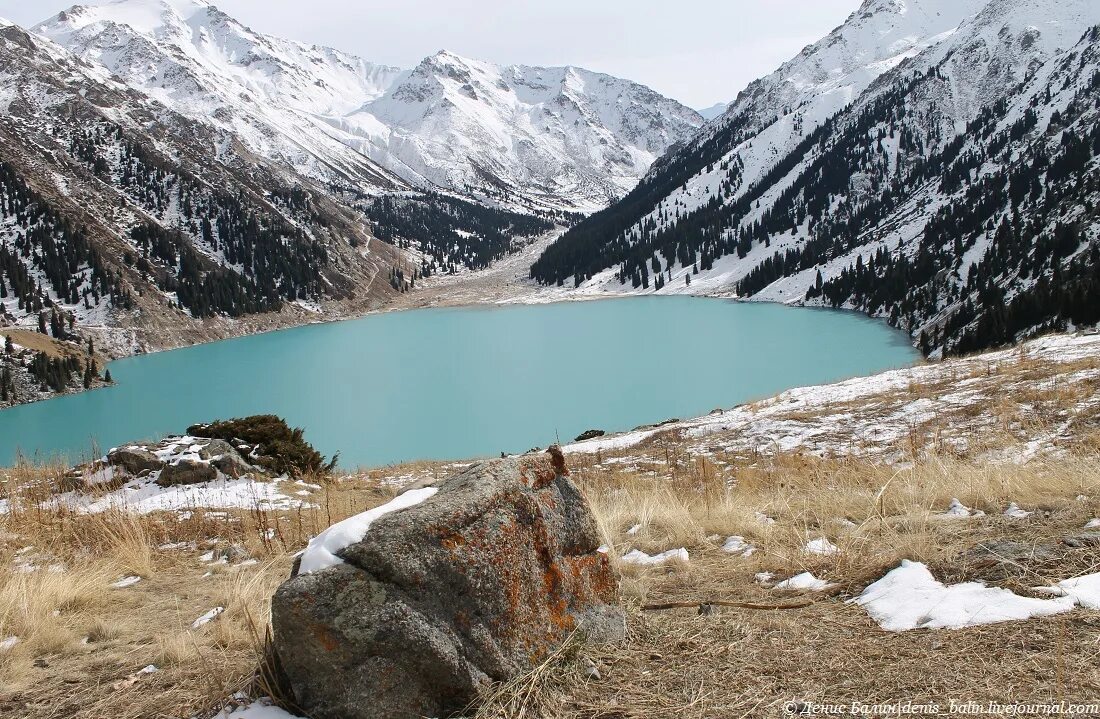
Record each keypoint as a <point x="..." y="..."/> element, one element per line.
<point x="450" y="589"/>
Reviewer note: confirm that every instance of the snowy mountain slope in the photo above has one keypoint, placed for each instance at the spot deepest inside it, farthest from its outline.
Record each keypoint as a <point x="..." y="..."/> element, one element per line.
<point x="545" y="139"/>
<point x="125" y="222"/>
<point x="840" y="153"/>
<point x="558" y="138"/>
<point x="204" y="64"/>
<point x="714" y="111"/>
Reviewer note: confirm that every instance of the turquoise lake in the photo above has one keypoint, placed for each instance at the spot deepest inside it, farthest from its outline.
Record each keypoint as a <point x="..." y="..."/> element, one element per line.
<point x="470" y="381"/>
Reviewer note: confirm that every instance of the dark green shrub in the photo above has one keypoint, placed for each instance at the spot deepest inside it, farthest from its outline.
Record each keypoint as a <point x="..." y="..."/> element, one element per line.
<point x="279" y="448"/>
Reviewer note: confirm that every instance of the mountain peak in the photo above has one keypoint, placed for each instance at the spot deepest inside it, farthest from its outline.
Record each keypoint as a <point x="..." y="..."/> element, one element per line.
<point x="138" y="14"/>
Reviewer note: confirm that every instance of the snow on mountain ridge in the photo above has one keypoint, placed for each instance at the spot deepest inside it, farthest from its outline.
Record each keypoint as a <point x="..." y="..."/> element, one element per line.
<point x="891" y="100"/>
<point x="267" y="92"/>
<point x="543" y="139"/>
<point x="581" y="138"/>
<point x="309" y="78"/>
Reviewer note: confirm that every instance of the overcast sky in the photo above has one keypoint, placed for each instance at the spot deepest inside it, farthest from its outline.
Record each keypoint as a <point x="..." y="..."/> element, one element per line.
<point x="698" y="51"/>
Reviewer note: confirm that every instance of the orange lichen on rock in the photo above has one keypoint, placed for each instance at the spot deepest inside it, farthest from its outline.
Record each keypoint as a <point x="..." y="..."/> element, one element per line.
<point x="483" y="580"/>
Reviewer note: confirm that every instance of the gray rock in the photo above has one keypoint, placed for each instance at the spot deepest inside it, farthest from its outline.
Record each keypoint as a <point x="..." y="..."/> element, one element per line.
<point x="1001" y="559"/>
<point x="1005" y="550"/>
<point x="476" y="584"/>
<point x="589" y="434"/>
<point x="134" y="459"/>
<point x="231" y="553"/>
<point x="211" y="448"/>
<point x="420" y="484"/>
<point x="226" y="458"/>
<point x="186" y="471"/>
<point x="1080" y="541"/>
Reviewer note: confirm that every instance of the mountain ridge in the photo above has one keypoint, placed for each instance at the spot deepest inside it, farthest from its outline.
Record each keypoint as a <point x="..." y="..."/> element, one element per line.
<point x="760" y="202"/>
<point x="373" y="128"/>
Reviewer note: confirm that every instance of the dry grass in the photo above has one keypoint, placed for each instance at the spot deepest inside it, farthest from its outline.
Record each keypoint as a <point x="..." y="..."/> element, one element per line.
<point x="94" y="639"/>
<point x="82" y="643"/>
<point x="745" y="663"/>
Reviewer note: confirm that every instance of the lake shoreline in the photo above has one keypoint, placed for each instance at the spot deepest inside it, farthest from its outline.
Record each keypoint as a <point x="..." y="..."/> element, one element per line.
<point x="506" y="279"/>
<point x="458" y="381"/>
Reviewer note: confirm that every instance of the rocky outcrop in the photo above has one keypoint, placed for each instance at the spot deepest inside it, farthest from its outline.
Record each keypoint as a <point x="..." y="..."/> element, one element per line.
<point x="135" y="460"/>
<point x="461" y="585"/>
<point x="187" y="471"/>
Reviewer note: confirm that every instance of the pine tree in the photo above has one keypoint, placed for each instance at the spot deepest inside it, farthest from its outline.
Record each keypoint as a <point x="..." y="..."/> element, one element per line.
<point x="107" y="377"/>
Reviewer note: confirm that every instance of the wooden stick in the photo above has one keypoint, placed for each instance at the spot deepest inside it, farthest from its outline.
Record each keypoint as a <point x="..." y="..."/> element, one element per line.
<point x="736" y="605"/>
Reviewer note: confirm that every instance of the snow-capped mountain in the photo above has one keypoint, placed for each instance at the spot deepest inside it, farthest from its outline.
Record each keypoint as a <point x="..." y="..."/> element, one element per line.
<point x="714" y="111"/>
<point x="557" y="138"/>
<point x="269" y="93"/>
<point x="527" y="138"/>
<point x="125" y="222"/>
<point x="870" y="171"/>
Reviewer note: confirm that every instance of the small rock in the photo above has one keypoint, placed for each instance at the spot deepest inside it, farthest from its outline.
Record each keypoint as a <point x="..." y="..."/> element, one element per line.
<point x="134" y="459"/>
<point x="706" y="610"/>
<point x="228" y="552"/>
<point x="187" y="471"/>
<point x="1080" y="541"/>
<point x="590" y="669"/>
<point x="41" y="664"/>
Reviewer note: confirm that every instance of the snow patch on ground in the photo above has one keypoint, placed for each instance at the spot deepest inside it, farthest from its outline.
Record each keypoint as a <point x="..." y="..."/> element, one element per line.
<point x="820" y="545"/>
<point x="143" y="496"/>
<point x="738" y="545"/>
<point x="1084" y="590"/>
<point x="259" y="709"/>
<point x="909" y="597"/>
<point x="637" y="556"/>
<point x="125" y="582"/>
<point x="805" y="581"/>
<point x="207" y="618"/>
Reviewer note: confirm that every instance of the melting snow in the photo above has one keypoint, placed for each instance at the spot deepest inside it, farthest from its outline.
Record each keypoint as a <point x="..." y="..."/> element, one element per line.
<point x="764" y="519"/>
<point x="1085" y="590"/>
<point x="738" y="545"/>
<point x="323" y="550"/>
<point x="806" y="581"/>
<point x="207" y="618"/>
<point x="820" y="546"/>
<point x="144" y="496"/>
<point x="909" y="597"/>
<point x="639" y="557"/>
<point x="1014" y="512"/>
<point x="958" y="510"/>
<point x="259" y="709"/>
<point x="126" y="582"/>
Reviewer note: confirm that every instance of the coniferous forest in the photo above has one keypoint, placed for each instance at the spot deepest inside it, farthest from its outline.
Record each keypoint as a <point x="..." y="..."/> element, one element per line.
<point x="1006" y="249"/>
<point x="450" y="232"/>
